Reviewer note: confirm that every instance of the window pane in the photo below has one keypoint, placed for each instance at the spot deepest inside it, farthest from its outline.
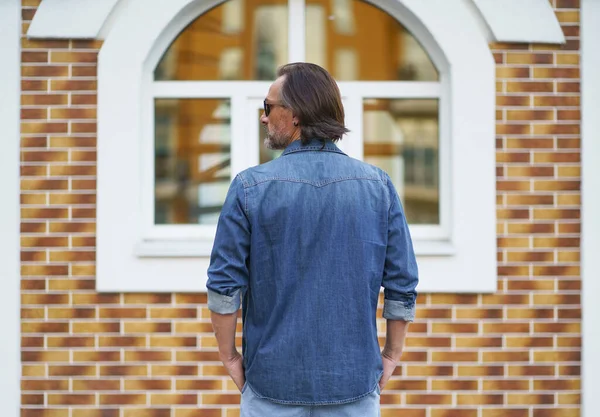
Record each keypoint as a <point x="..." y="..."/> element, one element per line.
<point x="356" y="41"/>
<point x="192" y="160"/>
<point x="236" y="40"/>
<point x="401" y="137"/>
<point x="265" y="154"/>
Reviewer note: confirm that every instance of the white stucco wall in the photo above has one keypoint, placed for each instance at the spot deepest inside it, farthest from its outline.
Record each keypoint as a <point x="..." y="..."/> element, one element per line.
<point x="10" y="363"/>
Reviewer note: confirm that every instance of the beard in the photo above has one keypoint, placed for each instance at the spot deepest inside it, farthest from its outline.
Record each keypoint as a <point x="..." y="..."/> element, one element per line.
<point x="275" y="140"/>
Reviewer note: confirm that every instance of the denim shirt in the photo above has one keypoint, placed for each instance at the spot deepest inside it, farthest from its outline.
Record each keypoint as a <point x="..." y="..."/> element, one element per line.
<point x="304" y="243"/>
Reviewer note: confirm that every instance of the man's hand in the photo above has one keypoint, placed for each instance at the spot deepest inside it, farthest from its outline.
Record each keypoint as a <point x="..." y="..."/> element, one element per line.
<point x="224" y="326"/>
<point x="394" y="343"/>
<point x="389" y="365"/>
<point x="235" y="368"/>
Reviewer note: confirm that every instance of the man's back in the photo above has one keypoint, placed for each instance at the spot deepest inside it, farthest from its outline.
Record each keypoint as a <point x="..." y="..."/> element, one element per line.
<point x="313" y="228"/>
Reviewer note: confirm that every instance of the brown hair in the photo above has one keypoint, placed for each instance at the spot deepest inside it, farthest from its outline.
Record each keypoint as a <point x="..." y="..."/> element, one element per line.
<point x="313" y="96"/>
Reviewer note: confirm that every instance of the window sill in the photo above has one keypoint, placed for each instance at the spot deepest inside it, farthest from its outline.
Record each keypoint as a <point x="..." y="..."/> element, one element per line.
<point x="180" y="265"/>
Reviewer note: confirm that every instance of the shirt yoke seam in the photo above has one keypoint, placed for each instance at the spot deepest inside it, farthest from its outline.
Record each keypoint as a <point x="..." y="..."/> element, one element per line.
<point x="314" y="184"/>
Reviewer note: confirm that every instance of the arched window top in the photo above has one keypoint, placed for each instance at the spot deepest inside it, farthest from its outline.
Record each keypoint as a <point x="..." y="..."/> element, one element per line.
<point x="248" y="40"/>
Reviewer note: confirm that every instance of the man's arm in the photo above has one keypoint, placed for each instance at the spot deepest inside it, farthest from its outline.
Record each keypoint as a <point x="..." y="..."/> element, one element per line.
<point x="228" y="277"/>
<point x="400" y="279"/>
<point x="224" y="326"/>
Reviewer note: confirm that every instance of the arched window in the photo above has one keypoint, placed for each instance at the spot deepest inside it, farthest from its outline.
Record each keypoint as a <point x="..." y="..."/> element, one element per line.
<point x="179" y="100"/>
<point x="207" y="90"/>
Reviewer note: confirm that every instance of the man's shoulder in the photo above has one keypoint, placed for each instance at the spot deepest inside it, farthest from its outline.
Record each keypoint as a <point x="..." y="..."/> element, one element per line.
<point x="369" y="170"/>
<point x="259" y="173"/>
<point x="278" y="169"/>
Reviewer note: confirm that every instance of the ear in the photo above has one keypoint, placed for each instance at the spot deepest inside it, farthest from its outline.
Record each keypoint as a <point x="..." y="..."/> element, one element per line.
<point x="295" y="121"/>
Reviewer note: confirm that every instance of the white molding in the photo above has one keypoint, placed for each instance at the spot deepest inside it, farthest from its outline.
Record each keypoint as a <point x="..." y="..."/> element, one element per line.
<point x="296" y="31"/>
<point x="446" y="176"/>
<point x="535" y="20"/>
<point x="446" y="30"/>
<point x="527" y="21"/>
<point x="352" y="144"/>
<point x="196" y="240"/>
<point x="454" y="40"/>
<point x="120" y="112"/>
<point x="194" y="248"/>
<point x="10" y="361"/>
<point x="70" y="19"/>
<point x="590" y="235"/>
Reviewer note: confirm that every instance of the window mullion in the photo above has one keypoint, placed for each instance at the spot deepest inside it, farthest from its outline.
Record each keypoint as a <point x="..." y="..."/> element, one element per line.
<point x="352" y="143"/>
<point x="445" y="159"/>
<point x="239" y="147"/>
<point x="147" y="159"/>
<point x="391" y="89"/>
<point x="296" y="30"/>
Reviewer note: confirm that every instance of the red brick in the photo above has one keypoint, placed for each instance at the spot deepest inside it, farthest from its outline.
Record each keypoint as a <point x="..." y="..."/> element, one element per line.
<point x="554" y="73"/>
<point x="44" y="70"/>
<point x="551" y="101"/>
<point x="43" y="127"/>
<point x="84" y="71"/>
<point x="567" y="4"/>
<point x="480" y="370"/>
<point x="502" y="412"/>
<point x="512" y="100"/>
<point x="568" y="87"/>
<point x="158" y="412"/>
<point x="530" y="87"/>
<point x="557" y="412"/>
<point x="531" y="370"/>
<point x="44" y="99"/>
<point x="73" y="85"/>
<point x="529" y="58"/>
<point x="73" y="57"/>
<point x="88" y="99"/>
<point x="38" y="56"/>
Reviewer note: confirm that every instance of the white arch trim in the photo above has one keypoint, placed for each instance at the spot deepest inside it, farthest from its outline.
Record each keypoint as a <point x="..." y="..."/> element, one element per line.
<point x="449" y="35"/>
<point x="73" y="19"/>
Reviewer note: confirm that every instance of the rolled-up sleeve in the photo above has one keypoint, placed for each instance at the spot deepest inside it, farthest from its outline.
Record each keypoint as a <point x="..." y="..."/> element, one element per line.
<point x="400" y="276"/>
<point x="228" y="270"/>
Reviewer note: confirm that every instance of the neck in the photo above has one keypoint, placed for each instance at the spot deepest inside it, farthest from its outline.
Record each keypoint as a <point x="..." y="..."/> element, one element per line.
<point x="295" y="135"/>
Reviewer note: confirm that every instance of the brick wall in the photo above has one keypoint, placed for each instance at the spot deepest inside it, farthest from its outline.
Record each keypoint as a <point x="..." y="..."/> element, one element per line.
<point x="515" y="353"/>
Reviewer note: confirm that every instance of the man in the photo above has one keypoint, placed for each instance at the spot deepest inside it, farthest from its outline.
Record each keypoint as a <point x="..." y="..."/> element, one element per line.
<point x="306" y="242"/>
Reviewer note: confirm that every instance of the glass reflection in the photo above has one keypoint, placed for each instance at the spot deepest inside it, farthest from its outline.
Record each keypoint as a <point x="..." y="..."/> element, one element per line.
<point x="402" y="137"/>
<point x="359" y="42"/>
<point x="234" y="41"/>
<point x="192" y="160"/>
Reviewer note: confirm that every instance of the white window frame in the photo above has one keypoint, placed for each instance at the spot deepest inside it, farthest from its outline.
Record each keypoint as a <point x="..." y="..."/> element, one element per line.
<point x="129" y="259"/>
<point x="244" y="156"/>
<point x="196" y="240"/>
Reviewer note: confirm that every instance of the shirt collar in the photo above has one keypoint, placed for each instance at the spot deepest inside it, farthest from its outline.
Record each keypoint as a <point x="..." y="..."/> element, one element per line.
<point x="314" y="145"/>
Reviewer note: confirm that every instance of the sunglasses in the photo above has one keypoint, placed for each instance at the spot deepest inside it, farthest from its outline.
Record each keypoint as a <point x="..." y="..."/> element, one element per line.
<point x="267" y="107"/>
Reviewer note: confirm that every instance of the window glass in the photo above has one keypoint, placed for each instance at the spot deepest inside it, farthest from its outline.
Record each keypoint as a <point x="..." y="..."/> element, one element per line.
<point x="243" y="40"/>
<point x="401" y="137"/>
<point x="192" y="157"/>
<point x="359" y="42"/>
<point x="233" y="41"/>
